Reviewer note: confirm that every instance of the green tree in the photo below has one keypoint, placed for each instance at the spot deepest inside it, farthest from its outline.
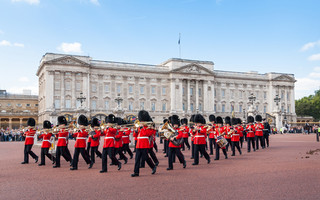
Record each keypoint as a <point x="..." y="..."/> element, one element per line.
<point x="309" y="106"/>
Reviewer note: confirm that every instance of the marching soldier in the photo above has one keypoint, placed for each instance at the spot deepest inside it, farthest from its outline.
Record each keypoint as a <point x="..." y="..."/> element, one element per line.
<point x="220" y="131"/>
<point x="108" y="146"/>
<point x="228" y="129"/>
<point x="118" y="140"/>
<point x="250" y="133"/>
<point x="200" y="139"/>
<point x="192" y="135"/>
<point x="95" y="140"/>
<point x="165" y="142"/>
<point x="240" y="130"/>
<point x="62" y="148"/>
<point x="259" y="132"/>
<point x="212" y="141"/>
<point x="126" y="141"/>
<point x="235" y="136"/>
<point x="185" y="133"/>
<point x="80" y="145"/>
<point x="29" y="134"/>
<point x="266" y="132"/>
<point x="46" y="143"/>
<point x="173" y="149"/>
<point x="143" y="144"/>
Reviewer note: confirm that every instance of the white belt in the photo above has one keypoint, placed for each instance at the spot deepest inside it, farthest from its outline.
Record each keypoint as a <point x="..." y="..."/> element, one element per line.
<point x="81" y="138"/>
<point x="29" y="136"/>
<point x="46" y="140"/>
<point x="108" y="137"/>
<point x="62" y="138"/>
<point x="125" y="136"/>
<point x="235" y="134"/>
<point x="199" y="136"/>
<point x="143" y="137"/>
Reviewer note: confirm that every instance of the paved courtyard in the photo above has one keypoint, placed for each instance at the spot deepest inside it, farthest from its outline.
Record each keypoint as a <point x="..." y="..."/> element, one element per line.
<point x="283" y="171"/>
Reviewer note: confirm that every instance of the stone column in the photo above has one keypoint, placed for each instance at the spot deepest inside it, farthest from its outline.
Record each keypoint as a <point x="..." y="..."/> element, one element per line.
<point x="188" y="96"/>
<point x="62" y="94"/>
<point x="205" y="97"/>
<point x="173" y="95"/>
<point x="21" y="122"/>
<point x="197" y="95"/>
<point x="10" y="123"/>
<point x="48" y="92"/>
<point x="73" y="90"/>
<point x="180" y="96"/>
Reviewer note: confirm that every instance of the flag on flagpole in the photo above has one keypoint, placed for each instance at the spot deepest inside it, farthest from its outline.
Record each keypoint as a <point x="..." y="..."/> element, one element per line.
<point x="179" y="39"/>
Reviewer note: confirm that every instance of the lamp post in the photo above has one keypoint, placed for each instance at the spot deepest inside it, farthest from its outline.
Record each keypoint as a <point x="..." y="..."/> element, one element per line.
<point x="81" y="98"/>
<point x="277" y="99"/>
<point x="251" y="109"/>
<point x="118" y="110"/>
<point x="119" y="101"/>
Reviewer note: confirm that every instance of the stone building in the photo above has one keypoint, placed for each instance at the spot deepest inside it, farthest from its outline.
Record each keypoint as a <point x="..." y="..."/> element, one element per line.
<point x="177" y="86"/>
<point x="15" y="109"/>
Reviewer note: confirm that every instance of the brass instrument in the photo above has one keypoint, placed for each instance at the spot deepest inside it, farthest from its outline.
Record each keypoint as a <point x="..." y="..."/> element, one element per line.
<point x="169" y="132"/>
<point x="137" y="123"/>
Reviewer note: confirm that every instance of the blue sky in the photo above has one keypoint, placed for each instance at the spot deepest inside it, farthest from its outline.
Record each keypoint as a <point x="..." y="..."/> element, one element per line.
<point x="237" y="35"/>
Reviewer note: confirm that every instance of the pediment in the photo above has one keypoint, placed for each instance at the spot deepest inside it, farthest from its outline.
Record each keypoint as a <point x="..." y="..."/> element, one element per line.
<point x="284" y="78"/>
<point x="68" y="60"/>
<point x="192" y="69"/>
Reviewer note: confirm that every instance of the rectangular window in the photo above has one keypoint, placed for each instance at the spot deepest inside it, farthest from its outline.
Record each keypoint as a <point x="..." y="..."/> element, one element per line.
<point x="282" y="108"/>
<point x="106" y="104"/>
<point x="130" y="89"/>
<point x="141" y="89"/>
<point x="57" y="85"/>
<point x="164" y="106"/>
<point x="191" y="107"/>
<point x="106" y="88"/>
<point x="288" y="94"/>
<point x="223" y="91"/>
<point x="118" y="88"/>
<point x="28" y="104"/>
<point x="163" y="90"/>
<point x="153" y="106"/>
<point x="223" y="108"/>
<point x="94" y="88"/>
<point x="215" y="108"/>
<point x="183" y="106"/>
<point x="200" y="107"/>
<point x="264" y="109"/>
<point x="57" y="104"/>
<point x="142" y="105"/>
<point x="93" y="105"/>
<point x="183" y="91"/>
<point x="282" y="95"/>
<point x="36" y="105"/>
<point x="264" y="95"/>
<point x="78" y="86"/>
<point x="257" y="94"/>
<point x="68" y="85"/>
<point x="153" y="89"/>
<point x="240" y="108"/>
<point x="199" y="92"/>
<point x="78" y="104"/>
<point x="68" y="103"/>
<point x="288" y="109"/>
<point x="191" y="91"/>
<point x="130" y="106"/>
<point x="257" y="107"/>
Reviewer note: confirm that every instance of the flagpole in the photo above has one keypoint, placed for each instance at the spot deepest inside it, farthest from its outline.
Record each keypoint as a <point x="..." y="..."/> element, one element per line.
<point x="179" y="46"/>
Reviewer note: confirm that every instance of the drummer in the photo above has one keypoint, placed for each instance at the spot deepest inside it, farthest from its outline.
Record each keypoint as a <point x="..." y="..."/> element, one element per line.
<point x="219" y="132"/>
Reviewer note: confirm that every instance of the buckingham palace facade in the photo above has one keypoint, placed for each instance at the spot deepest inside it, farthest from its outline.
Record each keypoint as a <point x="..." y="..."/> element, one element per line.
<point x="71" y="84"/>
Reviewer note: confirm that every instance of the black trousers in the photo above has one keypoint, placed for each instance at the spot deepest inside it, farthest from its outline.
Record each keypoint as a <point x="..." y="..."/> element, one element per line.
<point x="45" y="152"/>
<point x="229" y="144"/>
<point x="241" y="140"/>
<point x="250" y="141"/>
<point x="155" y="146"/>
<point x="95" y="151"/>
<point x="153" y="155"/>
<point x="212" y="142"/>
<point x="161" y="140"/>
<point x="202" y="149"/>
<point x="84" y="154"/>
<point x="135" y="146"/>
<point x="126" y="148"/>
<point x="27" y="151"/>
<point x="172" y="153"/>
<point x="140" y="154"/>
<point x="192" y="150"/>
<point x="261" y="142"/>
<point x="105" y="153"/>
<point x="120" y="152"/>
<point x="266" y="137"/>
<point x="88" y="147"/>
<point x="218" y="152"/>
<point x="165" y="146"/>
<point x="234" y="145"/>
<point x="64" y="151"/>
<point x="185" y="142"/>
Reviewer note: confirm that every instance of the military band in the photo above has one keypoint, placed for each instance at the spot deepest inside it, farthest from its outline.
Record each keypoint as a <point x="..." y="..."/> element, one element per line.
<point x="218" y="133"/>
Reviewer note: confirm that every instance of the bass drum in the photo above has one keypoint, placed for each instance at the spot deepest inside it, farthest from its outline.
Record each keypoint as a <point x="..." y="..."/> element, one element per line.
<point x="177" y="142"/>
<point x="221" y="141"/>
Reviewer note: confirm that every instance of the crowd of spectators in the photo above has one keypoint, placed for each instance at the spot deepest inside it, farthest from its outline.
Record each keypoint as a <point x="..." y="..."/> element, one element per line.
<point x="8" y="135"/>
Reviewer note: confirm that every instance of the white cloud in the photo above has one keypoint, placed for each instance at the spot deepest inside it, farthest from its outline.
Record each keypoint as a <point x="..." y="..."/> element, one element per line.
<point x="95" y="2"/>
<point x="305" y="87"/>
<point x="314" y="57"/>
<point x="36" y="2"/>
<point x="316" y="69"/>
<point x="70" y="47"/>
<point x="310" y="45"/>
<point x="24" y="79"/>
<point x="9" y="44"/>
<point x="5" y="43"/>
<point x="19" y="90"/>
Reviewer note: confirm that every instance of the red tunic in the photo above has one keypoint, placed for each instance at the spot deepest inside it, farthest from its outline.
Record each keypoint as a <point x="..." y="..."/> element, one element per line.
<point x="211" y="132"/>
<point x="180" y="135"/>
<point x="227" y="128"/>
<point x="235" y="137"/>
<point x="109" y="137"/>
<point x="143" y="138"/>
<point x="200" y="136"/>
<point x="96" y="141"/>
<point x="135" y="134"/>
<point x="62" y="138"/>
<point x="185" y="131"/>
<point x="126" y="136"/>
<point x="29" y="136"/>
<point x="259" y="129"/>
<point x="80" y="139"/>
<point x="219" y="131"/>
<point x="118" y="136"/>
<point x="240" y="130"/>
<point x="46" y="140"/>
<point x="191" y="134"/>
<point x="250" y="130"/>
<point x="152" y="139"/>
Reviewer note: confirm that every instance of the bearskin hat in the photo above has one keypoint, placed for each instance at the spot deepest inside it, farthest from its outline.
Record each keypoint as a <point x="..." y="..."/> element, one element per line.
<point x="46" y="124"/>
<point x="110" y="119"/>
<point x="184" y="121"/>
<point x="83" y="120"/>
<point x="31" y="122"/>
<point x="144" y="116"/>
<point x="219" y="120"/>
<point x="212" y="118"/>
<point x="165" y="120"/>
<point x="234" y="121"/>
<point x="250" y="119"/>
<point x="95" y="122"/>
<point x="258" y="118"/>
<point x="119" y="121"/>
<point x="239" y="121"/>
<point x="169" y="119"/>
<point x="62" y="120"/>
<point x="192" y="118"/>
<point x="227" y="120"/>
<point x="198" y="118"/>
<point x="175" y="120"/>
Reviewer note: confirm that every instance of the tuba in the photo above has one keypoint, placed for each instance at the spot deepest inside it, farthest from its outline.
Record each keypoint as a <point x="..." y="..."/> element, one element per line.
<point x="169" y="132"/>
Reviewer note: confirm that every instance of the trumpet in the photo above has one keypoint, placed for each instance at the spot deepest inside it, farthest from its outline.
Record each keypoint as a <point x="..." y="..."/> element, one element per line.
<point x="137" y="123"/>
